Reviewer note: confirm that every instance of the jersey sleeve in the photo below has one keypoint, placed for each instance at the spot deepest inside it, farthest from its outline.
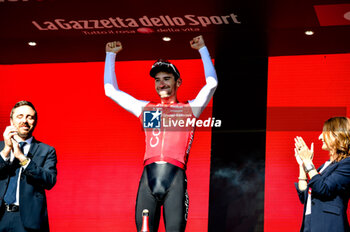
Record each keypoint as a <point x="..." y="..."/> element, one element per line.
<point x="205" y="94"/>
<point x="112" y="90"/>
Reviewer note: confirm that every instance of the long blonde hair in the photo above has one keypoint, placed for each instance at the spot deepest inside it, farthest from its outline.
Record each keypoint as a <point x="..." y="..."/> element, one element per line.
<point x="336" y="133"/>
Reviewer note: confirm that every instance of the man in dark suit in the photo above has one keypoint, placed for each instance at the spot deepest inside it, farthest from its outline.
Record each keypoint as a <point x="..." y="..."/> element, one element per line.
<point x="27" y="168"/>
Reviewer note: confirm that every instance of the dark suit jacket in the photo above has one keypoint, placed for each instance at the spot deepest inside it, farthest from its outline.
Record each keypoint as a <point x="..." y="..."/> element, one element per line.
<point x="39" y="175"/>
<point x="329" y="198"/>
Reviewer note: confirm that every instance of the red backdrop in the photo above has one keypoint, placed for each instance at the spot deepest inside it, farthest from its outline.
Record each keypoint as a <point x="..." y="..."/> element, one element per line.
<point x="99" y="145"/>
<point x="303" y="92"/>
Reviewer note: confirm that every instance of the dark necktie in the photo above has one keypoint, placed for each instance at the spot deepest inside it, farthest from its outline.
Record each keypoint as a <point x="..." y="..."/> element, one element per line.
<point x="10" y="196"/>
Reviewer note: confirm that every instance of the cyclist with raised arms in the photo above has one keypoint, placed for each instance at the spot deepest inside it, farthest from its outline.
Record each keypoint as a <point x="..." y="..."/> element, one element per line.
<point x="163" y="180"/>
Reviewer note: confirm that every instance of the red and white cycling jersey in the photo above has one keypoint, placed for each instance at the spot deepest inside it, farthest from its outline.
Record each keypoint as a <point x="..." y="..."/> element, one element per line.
<point x="172" y="141"/>
<point x="169" y="143"/>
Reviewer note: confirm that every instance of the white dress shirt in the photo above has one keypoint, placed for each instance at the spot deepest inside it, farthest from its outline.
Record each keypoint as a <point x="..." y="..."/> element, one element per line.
<point x="308" y="203"/>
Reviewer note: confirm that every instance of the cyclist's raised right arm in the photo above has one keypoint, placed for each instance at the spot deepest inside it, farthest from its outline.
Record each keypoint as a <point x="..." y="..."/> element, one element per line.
<point x="112" y="90"/>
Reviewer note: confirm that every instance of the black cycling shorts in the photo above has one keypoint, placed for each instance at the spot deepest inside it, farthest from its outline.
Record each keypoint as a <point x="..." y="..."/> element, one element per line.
<point x="163" y="185"/>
